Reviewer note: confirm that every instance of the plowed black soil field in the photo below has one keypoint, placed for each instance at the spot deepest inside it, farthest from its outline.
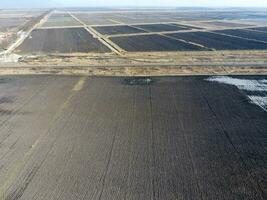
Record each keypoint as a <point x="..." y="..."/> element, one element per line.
<point x="161" y="27"/>
<point x="61" y="41"/>
<point x="153" y="43"/>
<point x="70" y="138"/>
<point x="219" y="42"/>
<point x="246" y="34"/>
<point x="113" y="30"/>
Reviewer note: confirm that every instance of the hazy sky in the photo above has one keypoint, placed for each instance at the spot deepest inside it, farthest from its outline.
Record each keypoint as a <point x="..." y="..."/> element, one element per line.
<point x="170" y="3"/>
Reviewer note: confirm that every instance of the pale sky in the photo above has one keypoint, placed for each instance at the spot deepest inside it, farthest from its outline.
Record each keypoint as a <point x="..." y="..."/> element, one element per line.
<point x="165" y="3"/>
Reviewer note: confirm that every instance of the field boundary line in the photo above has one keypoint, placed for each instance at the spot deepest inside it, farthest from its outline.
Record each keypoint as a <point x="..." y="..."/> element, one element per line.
<point x="240" y="37"/>
<point x="185" y="41"/>
<point x="136" y="27"/>
<point x="57" y="27"/>
<point x="21" y="39"/>
<point x="178" y="31"/>
<point x="145" y="23"/>
<point x="133" y="71"/>
<point x="107" y="42"/>
<point x="262" y="65"/>
<point x="249" y="29"/>
<point x="115" y="21"/>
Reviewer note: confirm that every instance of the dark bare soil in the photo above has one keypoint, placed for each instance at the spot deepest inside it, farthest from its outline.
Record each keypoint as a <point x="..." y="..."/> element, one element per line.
<point x="113" y="30"/>
<point x="220" y="42"/>
<point x="246" y="34"/>
<point x="174" y="138"/>
<point x="61" y="41"/>
<point x="161" y="27"/>
<point x="153" y="43"/>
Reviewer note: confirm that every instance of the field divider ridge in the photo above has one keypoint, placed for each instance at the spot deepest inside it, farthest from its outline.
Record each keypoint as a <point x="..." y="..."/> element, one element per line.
<point x="23" y="36"/>
<point x="137" y="70"/>
<point x="239" y="37"/>
<point x="116" y="21"/>
<point x="178" y="31"/>
<point x="107" y="42"/>
<point x="57" y="27"/>
<point x="185" y="41"/>
<point x="136" y="27"/>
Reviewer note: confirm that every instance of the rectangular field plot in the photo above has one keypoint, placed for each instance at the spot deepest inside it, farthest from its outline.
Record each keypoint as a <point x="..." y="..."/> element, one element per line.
<point x="7" y="24"/>
<point x="61" y="20"/>
<point x="153" y="43"/>
<point x="96" y="18"/>
<point x="261" y="29"/>
<point x="142" y="17"/>
<point x="11" y="20"/>
<point x="246" y="34"/>
<point x="113" y="30"/>
<point x="61" y="41"/>
<point x="226" y="24"/>
<point x="219" y="42"/>
<point x="161" y="27"/>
